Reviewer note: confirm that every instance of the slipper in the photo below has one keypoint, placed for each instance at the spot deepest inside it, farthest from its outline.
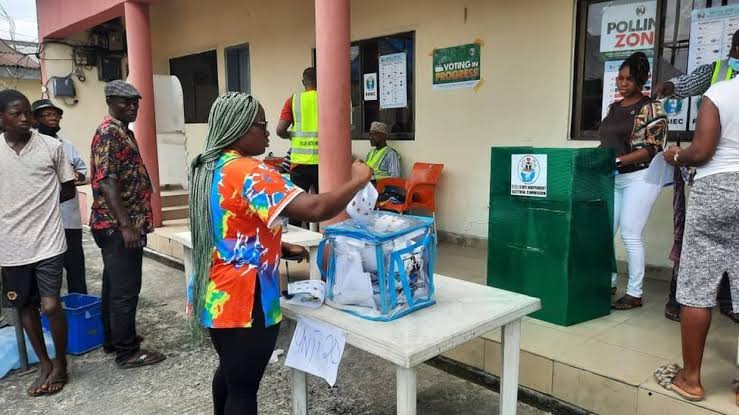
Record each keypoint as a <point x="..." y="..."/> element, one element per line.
<point x="672" y="313"/>
<point x="627" y="302"/>
<point x="36" y="388"/>
<point x="142" y="358"/>
<point x="61" y="382"/>
<point x="665" y="375"/>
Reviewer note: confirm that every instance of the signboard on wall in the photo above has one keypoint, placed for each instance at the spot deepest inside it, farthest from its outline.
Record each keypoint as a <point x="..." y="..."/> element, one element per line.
<point x="628" y="27"/>
<point x="711" y="31"/>
<point x="393" y="81"/>
<point x="529" y="175"/>
<point x="457" y="67"/>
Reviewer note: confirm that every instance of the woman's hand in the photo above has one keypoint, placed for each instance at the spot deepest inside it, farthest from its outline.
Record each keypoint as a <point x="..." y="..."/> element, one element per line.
<point x="294" y="252"/>
<point x="671" y="153"/>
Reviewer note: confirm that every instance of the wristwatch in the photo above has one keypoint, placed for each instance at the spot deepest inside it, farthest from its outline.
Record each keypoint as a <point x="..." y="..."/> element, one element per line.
<point x="674" y="158"/>
<point x="618" y="163"/>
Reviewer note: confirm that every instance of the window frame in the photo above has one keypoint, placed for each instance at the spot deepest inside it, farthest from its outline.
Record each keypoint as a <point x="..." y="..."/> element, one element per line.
<point x="214" y="53"/>
<point x="226" y="50"/>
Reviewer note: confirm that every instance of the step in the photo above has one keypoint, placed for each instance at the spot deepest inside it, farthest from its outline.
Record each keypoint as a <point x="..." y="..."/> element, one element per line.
<point x="175" y="212"/>
<point x="174" y="198"/>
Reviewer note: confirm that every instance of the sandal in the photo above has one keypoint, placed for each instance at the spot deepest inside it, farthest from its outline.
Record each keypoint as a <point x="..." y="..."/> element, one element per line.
<point x="36" y="388"/>
<point x="672" y="313"/>
<point x="142" y="358"/>
<point x="665" y="376"/>
<point x="60" y="382"/>
<point x="627" y="302"/>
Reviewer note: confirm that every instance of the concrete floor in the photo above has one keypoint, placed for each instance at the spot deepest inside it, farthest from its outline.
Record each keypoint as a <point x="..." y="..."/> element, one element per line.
<point x="181" y="385"/>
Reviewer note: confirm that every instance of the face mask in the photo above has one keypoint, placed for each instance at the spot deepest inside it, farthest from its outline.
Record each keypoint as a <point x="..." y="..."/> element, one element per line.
<point x="734" y="64"/>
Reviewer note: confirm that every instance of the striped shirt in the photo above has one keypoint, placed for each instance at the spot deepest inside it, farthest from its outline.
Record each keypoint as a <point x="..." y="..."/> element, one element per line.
<point x="694" y="84"/>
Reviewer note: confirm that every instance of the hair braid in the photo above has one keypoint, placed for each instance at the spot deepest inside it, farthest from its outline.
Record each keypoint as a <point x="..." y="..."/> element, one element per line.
<point x="231" y="115"/>
<point x="638" y="65"/>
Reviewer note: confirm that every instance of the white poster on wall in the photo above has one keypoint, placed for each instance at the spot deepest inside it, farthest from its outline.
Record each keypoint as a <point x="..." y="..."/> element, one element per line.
<point x="393" y="81"/>
<point x="628" y="27"/>
<point x="677" y="113"/>
<point x="529" y="175"/>
<point x="711" y="31"/>
<point x="370" y="86"/>
<point x="610" y="89"/>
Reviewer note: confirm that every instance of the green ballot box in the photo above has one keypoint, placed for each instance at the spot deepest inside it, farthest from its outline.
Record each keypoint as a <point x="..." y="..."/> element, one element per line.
<point x="551" y="232"/>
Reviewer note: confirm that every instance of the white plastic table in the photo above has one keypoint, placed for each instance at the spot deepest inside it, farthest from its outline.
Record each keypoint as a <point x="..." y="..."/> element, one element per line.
<point x="295" y="235"/>
<point x="463" y="311"/>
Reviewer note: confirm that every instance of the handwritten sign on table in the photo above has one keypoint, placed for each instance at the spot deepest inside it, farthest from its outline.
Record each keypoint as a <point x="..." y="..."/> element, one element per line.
<point x="316" y="348"/>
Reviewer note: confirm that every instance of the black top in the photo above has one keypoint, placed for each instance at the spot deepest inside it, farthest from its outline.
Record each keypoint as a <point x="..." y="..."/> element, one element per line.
<point x="616" y="129"/>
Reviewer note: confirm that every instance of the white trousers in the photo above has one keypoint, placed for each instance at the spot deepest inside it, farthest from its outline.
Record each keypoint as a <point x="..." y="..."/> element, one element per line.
<point x="633" y="202"/>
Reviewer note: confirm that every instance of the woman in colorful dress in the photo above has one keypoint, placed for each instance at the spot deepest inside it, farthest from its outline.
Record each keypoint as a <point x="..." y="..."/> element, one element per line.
<point x="237" y="205"/>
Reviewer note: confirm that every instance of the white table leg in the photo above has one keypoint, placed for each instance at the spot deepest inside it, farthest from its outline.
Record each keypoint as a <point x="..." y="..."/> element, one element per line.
<point x="315" y="274"/>
<point x="510" y="358"/>
<point x="406" y="391"/>
<point x="299" y="392"/>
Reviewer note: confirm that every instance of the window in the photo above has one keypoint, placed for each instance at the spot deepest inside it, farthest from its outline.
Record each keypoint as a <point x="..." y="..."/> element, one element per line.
<point x="366" y="56"/>
<point x="237" y="69"/>
<point x="609" y="31"/>
<point x="198" y="75"/>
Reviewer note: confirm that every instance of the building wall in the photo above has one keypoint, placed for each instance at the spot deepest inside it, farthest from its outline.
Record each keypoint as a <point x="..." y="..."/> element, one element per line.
<point x="31" y="88"/>
<point x="525" y="98"/>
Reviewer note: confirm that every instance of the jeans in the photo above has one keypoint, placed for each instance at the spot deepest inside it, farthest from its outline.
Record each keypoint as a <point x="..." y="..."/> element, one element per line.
<point x="121" y="288"/>
<point x="633" y="201"/>
<point x="74" y="262"/>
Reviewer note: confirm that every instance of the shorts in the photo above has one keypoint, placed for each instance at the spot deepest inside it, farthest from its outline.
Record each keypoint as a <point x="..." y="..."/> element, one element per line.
<point x="25" y="284"/>
<point x="711" y="241"/>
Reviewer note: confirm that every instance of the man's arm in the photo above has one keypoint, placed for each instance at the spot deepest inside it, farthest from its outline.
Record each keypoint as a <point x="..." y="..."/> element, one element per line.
<point x="393" y="163"/>
<point x="112" y="193"/>
<point x="696" y="83"/>
<point x="78" y="163"/>
<point x="286" y="119"/>
<point x="65" y="173"/>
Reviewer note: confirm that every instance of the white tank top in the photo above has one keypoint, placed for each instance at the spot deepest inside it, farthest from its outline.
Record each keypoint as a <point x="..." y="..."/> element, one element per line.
<point x="725" y="95"/>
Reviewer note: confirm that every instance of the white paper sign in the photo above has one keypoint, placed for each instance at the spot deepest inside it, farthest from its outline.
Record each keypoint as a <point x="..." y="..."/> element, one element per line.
<point x="370" y="86"/>
<point x="393" y="81"/>
<point x="628" y="27"/>
<point x="529" y="175"/>
<point x="316" y="348"/>
<point x="677" y="113"/>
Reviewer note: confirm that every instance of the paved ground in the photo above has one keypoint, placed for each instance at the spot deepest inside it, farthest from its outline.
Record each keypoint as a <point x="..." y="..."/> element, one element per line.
<point x="181" y="385"/>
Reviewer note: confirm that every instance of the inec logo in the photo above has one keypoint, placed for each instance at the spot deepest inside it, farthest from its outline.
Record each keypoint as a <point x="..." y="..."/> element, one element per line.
<point x="673" y="106"/>
<point x="529" y="169"/>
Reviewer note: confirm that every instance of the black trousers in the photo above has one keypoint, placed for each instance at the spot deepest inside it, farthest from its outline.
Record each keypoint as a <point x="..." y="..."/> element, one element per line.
<point x="74" y="262"/>
<point x="121" y="288"/>
<point x="304" y="176"/>
<point x="243" y="355"/>
<point x="724" y="292"/>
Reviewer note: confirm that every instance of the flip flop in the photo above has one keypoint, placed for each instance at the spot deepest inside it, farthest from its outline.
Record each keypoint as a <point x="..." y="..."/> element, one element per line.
<point x="61" y="381"/>
<point x="627" y="302"/>
<point x="142" y="358"/>
<point x="665" y="375"/>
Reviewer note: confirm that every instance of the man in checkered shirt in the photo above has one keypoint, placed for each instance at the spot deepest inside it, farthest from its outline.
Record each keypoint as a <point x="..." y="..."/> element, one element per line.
<point x="698" y="82"/>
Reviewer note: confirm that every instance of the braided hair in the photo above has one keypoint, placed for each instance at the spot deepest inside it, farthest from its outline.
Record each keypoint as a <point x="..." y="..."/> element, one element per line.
<point x="231" y="115"/>
<point x="638" y="65"/>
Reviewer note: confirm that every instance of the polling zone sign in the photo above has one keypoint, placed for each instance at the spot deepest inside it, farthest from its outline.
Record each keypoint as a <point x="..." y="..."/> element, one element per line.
<point x="628" y="27"/>
<point x="457" y="67"/>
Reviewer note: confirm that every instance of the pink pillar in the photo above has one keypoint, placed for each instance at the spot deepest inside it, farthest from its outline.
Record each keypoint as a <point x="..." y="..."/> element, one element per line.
<point x="141" y="75"/>
<point x="332" y="55"/>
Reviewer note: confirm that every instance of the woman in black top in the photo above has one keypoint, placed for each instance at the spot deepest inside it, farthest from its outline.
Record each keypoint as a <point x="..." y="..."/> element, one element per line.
<point x="636" y="129"/>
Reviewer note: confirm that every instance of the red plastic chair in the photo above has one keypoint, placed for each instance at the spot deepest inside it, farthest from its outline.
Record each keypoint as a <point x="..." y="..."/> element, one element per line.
<point x="420" y="189"/>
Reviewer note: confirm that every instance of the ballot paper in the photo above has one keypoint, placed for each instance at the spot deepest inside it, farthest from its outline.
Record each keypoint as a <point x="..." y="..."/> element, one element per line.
<point x="361" y="207"/>
<point x="310" y="293"/>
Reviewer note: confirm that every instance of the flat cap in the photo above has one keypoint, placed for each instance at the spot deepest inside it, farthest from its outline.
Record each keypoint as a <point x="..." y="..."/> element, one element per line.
<point x="379" y="127"/>
<point x="44" y="103"/>
<point x="121" y="88"/>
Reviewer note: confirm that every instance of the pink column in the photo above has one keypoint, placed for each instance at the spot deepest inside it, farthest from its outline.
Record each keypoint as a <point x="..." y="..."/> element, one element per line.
<point x="141" y="75"/>
<point x="332" y="55"/>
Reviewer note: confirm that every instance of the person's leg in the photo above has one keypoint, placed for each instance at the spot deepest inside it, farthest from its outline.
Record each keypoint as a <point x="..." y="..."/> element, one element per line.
<point x="638" y="199"/>
<point x="49" y="279"/>
<point x="617" y="208"/>
<point x="125" y="286"/>
<point x="725" y="303"/>
<point x="313" y="174"/>
<point x="694" y="325"/>
<point x="672" y="308"/>
<point x="74" y="262"/>
<point x="21" y="291"/>
<point x="102" y="240"/>
<point x="243" y="355"/>
<point x="220" y="391"/>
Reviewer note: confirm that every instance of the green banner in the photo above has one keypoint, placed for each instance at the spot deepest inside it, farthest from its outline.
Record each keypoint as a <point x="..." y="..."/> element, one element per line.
<point x="457" y="67"/>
